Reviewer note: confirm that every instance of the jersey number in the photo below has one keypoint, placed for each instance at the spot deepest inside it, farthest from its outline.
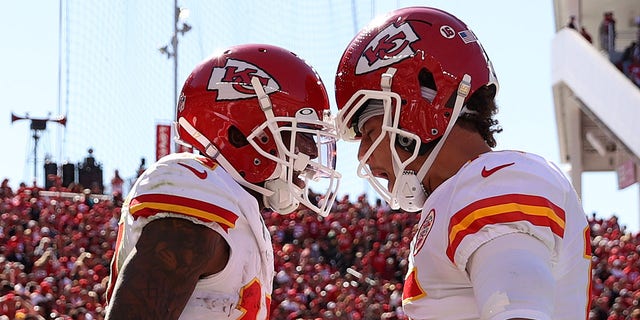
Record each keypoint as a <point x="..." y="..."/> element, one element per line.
<point x="250" y="301"/>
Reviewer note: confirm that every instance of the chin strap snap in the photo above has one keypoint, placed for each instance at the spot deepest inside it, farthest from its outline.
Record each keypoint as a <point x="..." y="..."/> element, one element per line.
<point x="282" y="199"/>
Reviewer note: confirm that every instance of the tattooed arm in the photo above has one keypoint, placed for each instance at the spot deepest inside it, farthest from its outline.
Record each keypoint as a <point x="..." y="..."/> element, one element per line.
<point x="159" y="276"/>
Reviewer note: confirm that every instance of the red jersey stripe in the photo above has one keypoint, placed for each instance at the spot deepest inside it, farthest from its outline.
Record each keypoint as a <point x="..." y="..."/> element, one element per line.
<point x="114" y="264"/>
<point x="150" y="204"/>
<point x="504" y="209"/>
<point x="507" y="198"/>
<point x="412" y="289"/>
<point x="268" y="302"/>
<point x="587" y="256"/>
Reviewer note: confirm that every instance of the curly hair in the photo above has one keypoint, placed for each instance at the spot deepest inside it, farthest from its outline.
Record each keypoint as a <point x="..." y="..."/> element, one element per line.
<point x="482" y="103"/>
<point x="484" y="107"/>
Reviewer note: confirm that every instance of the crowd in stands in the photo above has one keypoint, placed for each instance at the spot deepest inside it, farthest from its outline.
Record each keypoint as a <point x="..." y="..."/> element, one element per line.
<point x="55" y="253"/>
<point x="628" y="60"/>
<point x="616" y="271"/>
<point x="583" y="31"/>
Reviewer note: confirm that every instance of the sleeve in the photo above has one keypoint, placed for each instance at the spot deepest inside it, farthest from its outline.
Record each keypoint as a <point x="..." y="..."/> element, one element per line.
<point x="524" y="198"/>
<point x="183" y="187"/>
<point x="512" y="278"/>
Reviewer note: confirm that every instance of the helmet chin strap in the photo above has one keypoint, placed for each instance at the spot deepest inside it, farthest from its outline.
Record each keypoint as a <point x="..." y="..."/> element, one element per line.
<point x="411" y="194"/>
<point x="280" y="198"/>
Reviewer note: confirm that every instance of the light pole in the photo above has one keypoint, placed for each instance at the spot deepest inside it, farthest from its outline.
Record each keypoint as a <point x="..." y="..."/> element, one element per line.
<point x="179" y="27"/>
<point x="38" y="125"/>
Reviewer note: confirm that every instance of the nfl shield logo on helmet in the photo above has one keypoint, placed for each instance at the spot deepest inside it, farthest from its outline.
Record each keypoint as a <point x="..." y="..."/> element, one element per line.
<point x="233" y="81"/>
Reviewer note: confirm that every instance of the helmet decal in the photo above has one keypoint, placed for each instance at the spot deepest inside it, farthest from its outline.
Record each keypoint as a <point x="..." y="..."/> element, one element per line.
<point x="467" y="36"/>
<point x="233" y="81"/>
<point x="447" y="32"/>
<point x="391" y="45"/>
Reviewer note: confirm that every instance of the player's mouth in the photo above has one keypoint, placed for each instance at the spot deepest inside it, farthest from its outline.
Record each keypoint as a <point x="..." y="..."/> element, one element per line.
<point x="380" y="174"/>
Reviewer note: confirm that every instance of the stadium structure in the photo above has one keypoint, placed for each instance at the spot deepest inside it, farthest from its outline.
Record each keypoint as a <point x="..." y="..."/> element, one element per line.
<point x="597" y="106"/>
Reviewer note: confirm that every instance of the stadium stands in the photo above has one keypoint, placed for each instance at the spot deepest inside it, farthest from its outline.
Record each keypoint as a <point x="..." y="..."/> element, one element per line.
<point x="55" y="249"/>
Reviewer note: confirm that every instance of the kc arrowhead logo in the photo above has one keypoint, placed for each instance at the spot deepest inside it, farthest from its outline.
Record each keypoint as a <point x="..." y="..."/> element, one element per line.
<point x="233" y="81"/>
<point x="391" y="45"/>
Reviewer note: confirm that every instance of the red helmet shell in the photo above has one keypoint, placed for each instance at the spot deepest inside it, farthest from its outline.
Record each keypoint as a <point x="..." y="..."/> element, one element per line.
<point x="410" y="40"/>
<point x="218" y="95"/>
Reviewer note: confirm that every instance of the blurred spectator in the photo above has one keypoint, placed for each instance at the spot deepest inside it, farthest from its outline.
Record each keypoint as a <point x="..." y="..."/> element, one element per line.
<point x="630" y="60"/>
<point x="5" y="189"/>
<point x="586" y="34"/>
<point x="55" y="182"/>
<point x="607" y="32"/>
<point x="116" y="183"/>
<point x="142" y="167"/>
<point x="572" y="22"/>
<point x="634" y="73"/>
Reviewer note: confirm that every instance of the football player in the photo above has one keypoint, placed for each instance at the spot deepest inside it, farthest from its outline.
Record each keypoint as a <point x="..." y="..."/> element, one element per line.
<point x="502" y="234"/>
<point x="192" y="243"/>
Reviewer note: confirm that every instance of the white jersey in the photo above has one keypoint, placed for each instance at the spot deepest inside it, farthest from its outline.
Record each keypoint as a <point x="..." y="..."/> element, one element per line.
<point x="195" y="188"/>
<point x="497" y="194"/>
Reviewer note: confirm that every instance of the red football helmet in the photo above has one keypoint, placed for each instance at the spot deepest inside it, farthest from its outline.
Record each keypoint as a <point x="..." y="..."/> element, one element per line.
<point x="385" y="61"/>
<point x="252" y="108"/>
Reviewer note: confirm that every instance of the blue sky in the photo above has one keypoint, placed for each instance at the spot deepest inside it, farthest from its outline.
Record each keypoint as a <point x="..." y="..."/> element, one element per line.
<point x="517" y="35"/>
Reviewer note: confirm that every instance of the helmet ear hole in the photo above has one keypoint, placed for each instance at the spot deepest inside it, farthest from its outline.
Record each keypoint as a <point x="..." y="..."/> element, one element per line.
<point x="406" y="143"/>
<point x="451" y="101"/>
<point x="425" y="78"/>
<point x="236" y="138"/>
